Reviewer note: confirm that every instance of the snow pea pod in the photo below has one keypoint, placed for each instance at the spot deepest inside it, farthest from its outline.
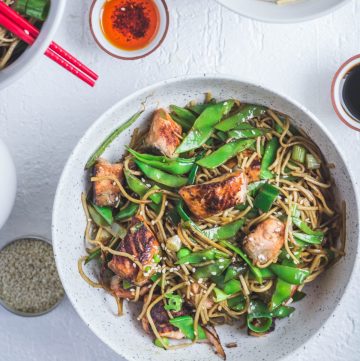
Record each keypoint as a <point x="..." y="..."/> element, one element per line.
<point x="224" y="232"/>
<point x="247" y="133"/>
<point x="161" y="177"/>
<point x="105" y="213"/>
<point x="282" y="293"/>
<point x="255" y="270"/>
<point x="236" y="303"/>
<point x="292" y="275"/>
<point x="305" y="228"/>
<point x="234" y="272"/>
<point x="248" y="112"/>
<point x="177" y="166"/>
<point x="268" y="158"/>
<point x="302" y="238"/>
<point x="211" y="270"/>
<point x="204" y="126"/>
<point x="185" y="125"/>
<point x="140" y="188"/>
<point x="266" y="197"/>
<point x="224" y="153"/>
<point x="258" y="312"/>
<point x="201" y="256"/>
<point x="183" y="113"/>
<point x="254" y="187"/>
<point x="127" y="212"/>
<point x="186" y="326"/>
<point x="110" y="138"/>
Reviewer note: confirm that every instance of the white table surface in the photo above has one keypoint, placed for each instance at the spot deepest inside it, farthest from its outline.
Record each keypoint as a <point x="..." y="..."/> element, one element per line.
<point x="44" y="114"/>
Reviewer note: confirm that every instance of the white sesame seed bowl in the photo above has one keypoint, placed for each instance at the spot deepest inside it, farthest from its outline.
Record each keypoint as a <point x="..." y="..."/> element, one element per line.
<point x="98" y="309"/>
<point x="25" y="265"/>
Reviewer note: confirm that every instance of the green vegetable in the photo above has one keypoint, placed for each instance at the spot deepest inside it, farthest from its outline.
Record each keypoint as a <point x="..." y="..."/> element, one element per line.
<point x="236" y="303"/>
<point x="127" y="212"/>
<point x="298" y="153"/>
<point x="173" y="243"/>
<point x="161" y="177"/>
<point x="156" y="258"/>
<point x="96" y="217"/>
<point x="305" y="228"/>
<point x="201" y="256"/>
<point x="183" y="253"/>
<point x="232" y="286"/>
<point x="259" y="320"/>
<point x="204" y="126"/>
<point x="254" y="187"/>
<point x="247" y="133"/>
<point x="174" y="302"/>
<point x="105" y="213"/>
<point x="177" y="166"/>
<point x="186" y="326"/>
<point x="293" y="275"/>
<point x="224" y="153"/>
<point x="282" y="293"/>
<point x="37" y="9"/>
<point x="307" y="238"/>
<point x="234" y="272"/>
<point x="110" y="138"/>
<point x="265" y="273"/>
<point x="93" y="255"/>
<point x="212" y="270"/>
<point x="220" y="295"/>
<point x="199" y="108"/>
<point x="182" y="116"/>
<point x="164" y="340"/>
<point x="312" y="162"/>
<point x="266" y="197"/>
<point x="282" y="312"/>
<point x="237" y="250"/>
<point x="245" y="114"/>
<point x="140" y="188"/>
<point x="126" y="284"/>
<point x="298" y="296"/>
<point x="268" y="158"/>
<point x="224" y="232"/>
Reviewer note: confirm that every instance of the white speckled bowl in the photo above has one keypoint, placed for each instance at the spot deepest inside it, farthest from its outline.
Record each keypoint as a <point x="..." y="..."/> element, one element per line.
<point x="268" y="11"/>
<point x="97" y="309"/>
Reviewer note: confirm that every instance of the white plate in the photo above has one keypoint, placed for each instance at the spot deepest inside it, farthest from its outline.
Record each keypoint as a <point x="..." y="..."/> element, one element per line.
<point x="97" y="309"/>
<point x="268" y="11"/>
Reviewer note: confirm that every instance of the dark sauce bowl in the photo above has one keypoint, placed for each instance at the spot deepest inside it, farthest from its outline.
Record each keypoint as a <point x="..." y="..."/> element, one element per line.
<point x="344" y="91"/>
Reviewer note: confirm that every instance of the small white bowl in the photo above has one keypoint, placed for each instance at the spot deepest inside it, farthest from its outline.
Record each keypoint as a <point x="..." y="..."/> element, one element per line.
<point x="15" y="70"/>
<point x="7" y="183"/>
<point x="336" y="93"/>
<point x="269" y="11"/>
<point x="95" y="27"/>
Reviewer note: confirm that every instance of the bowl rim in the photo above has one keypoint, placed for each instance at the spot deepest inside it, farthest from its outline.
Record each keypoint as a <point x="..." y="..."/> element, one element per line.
<point x="287" y="20"/>
<point x="102" y="47"/>
<point x="21" y="313"/>
<point x="17" y="70"/>
<point x="335" y="94"/>
<point x="179" y="79"/>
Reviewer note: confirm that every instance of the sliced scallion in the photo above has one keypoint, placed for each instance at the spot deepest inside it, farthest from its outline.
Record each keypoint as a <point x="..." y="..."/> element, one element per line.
<point x="298" y="153"/>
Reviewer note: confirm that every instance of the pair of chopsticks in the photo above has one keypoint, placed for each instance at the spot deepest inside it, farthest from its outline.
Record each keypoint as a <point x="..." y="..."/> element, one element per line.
<point x="27" y="32"/>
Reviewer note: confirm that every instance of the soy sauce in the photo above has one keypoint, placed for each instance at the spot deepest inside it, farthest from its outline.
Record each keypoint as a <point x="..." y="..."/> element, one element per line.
<point x="351" y="93"/>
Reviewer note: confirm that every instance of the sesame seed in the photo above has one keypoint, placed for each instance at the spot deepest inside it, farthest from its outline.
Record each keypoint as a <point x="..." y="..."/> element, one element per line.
<point x="213" y="273"/>
<point x="134" y="264"/>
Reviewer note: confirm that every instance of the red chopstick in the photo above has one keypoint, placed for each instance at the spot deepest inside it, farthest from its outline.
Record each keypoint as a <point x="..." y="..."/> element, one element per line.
<point x="27" y="32"/>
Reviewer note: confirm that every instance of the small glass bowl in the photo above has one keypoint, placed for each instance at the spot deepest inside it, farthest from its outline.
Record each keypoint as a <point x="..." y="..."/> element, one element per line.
<point x="337" y="89"/>
<point x="27" y="314"/>
<point x="104" y="44"/>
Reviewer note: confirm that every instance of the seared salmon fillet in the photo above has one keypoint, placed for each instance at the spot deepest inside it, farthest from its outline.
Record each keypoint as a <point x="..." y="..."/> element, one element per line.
<point x="164" y="134"/>
<point x="217" y="195"/>
<point x="141" y="243"/>
<point x="264" y="243"/>
<point x="161" y="320"/>
<point x="106" y="193"/>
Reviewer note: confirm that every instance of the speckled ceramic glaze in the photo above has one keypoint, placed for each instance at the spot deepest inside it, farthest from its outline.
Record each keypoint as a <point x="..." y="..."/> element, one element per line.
<point x="97" y="309"/>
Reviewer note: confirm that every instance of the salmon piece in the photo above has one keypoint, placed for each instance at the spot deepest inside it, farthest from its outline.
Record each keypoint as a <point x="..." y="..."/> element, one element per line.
<point x="141" y="243"/>
<point x="105" y="192"/>
<point x="253" y="172"/>
<point x="120" y="292"/>
<point x="264" y="243"/>
<point x="164" y="134"/>
<point x="217" y="195"/>
<point x="161" y="320"/>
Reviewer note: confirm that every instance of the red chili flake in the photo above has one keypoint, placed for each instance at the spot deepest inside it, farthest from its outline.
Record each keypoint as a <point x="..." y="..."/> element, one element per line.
<point x="131" y="19"/>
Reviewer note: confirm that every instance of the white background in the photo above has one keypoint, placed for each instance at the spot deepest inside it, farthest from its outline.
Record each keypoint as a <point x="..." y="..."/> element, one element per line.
<point x="44" y="114"/>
